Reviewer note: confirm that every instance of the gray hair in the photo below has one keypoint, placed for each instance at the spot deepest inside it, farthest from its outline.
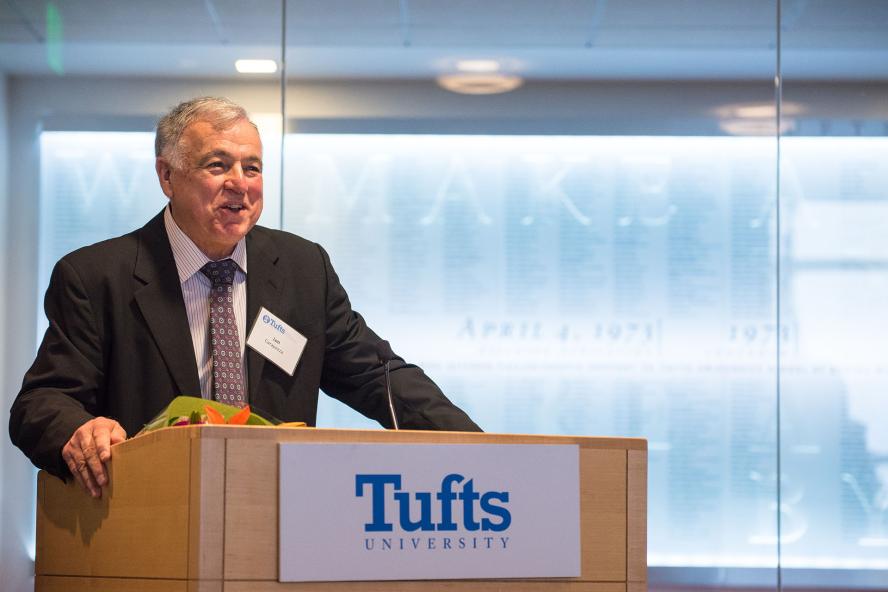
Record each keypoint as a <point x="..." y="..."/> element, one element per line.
<point x="219" y="112"/>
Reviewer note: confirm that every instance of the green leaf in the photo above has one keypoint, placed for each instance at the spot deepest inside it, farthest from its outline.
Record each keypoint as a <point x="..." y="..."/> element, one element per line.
<point x="183" y="406"/>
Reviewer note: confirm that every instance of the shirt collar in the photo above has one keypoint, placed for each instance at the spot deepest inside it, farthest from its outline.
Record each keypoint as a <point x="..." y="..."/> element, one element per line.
<point x="188" y="256"/>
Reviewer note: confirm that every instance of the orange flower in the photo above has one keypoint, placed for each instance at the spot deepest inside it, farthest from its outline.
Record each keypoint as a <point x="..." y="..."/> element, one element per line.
<point x="241" y="417"/>
<point x="213" y="416"/>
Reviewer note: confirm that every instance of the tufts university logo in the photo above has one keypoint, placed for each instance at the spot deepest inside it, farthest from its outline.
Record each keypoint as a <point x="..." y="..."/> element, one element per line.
<point x="479" y="511"/>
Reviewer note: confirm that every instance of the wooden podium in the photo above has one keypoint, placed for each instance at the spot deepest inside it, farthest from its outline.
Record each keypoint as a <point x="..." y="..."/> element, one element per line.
<point x="181" y="498"/>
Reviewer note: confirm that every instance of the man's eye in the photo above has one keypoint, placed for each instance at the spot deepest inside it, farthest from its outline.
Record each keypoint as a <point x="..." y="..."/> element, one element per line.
<point x="254" y="169"/>
<point x="216" y="164"/>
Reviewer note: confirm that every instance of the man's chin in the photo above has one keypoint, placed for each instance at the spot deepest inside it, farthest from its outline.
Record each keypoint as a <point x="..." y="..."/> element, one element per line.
<point x="226" y="237"/>
<point x="234" y="226"/>
<point x="232" y="235"/>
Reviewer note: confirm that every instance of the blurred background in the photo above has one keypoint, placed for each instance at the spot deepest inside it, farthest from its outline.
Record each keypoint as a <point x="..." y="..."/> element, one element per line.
<point x="651" y="218"/>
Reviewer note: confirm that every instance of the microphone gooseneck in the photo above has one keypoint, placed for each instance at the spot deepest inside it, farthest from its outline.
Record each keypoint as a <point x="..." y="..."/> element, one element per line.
<point x="384" y="350"/>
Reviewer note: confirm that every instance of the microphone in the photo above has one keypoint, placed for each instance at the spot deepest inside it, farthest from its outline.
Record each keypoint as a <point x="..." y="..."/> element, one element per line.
<point x="385" y="353"/>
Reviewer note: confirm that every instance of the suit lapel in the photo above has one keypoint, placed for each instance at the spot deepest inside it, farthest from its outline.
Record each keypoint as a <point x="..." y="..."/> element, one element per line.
<point x="263" y="289"/>
<point x="161" y="303"/>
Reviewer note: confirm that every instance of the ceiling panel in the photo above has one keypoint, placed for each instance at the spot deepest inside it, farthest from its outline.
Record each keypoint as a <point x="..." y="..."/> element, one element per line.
<point x="498" y="14"/>
<point x="690" y="15"/>
<point x="16" y="26"/>
<point x="338" y="23"/>
<point x="364" y="38"/>
<point x="14" y="32"/>
<point x="501" y="23"/>
<point x="32" y="10"/>
<point x="474" y="36"/>
<point x="158" y="21"/>
<point x="343" y="13"/>
<point x="345" y="36"/>
<point x="702" y="40"/>
<point x="249" y="23"/>
<point x="822" y="15"/>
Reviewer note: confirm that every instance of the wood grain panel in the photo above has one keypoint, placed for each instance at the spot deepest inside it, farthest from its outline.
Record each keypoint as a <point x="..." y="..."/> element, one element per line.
<point x="251" y="510"/>
<point x="87" y="584"/>
<point x="636" y="569"/>
<point x="206" y="527"/>
<point x="205" y="585"/>
<point x="138" y="529"/>
<point x="603" y="514"/>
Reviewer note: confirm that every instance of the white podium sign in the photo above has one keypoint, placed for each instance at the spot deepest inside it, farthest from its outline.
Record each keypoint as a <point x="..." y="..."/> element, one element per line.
<point x="425" y="511"/>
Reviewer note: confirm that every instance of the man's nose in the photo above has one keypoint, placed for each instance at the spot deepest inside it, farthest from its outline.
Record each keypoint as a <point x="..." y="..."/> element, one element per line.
<point x="236" y="180"/>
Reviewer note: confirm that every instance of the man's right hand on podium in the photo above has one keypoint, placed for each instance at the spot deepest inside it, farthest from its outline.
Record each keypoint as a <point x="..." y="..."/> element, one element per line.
<point x="87" y="451"/>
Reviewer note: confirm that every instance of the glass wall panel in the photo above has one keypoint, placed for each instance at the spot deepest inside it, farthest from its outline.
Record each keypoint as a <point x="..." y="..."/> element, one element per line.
<point x="83" y="84"/>
<point x="591" y="252"/>
<point x="834" y="197"/>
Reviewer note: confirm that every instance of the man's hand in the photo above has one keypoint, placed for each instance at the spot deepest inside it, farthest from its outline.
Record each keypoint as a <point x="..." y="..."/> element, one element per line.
<point x="89" y="449"/>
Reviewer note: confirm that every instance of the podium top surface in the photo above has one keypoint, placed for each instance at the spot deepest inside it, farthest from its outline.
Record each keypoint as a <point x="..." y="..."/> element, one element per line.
<point x="331" y="435"/>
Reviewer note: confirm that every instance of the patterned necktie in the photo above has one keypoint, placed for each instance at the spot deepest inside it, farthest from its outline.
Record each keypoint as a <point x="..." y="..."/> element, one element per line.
<point x="228" y="376"/>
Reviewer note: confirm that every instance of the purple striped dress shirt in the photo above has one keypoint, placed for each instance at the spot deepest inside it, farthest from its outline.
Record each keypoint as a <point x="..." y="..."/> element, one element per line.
<point x="196" y="292"/>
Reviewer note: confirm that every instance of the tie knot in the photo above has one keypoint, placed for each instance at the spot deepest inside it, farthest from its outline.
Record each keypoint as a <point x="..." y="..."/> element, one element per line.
<point x="221" y="273"/>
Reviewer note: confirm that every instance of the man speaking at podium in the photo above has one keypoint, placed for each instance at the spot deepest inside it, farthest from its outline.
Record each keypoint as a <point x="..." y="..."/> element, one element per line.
<point x="168" y="309"/>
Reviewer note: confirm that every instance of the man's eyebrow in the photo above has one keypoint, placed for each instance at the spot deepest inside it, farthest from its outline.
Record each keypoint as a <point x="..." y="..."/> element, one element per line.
<point x="219" y="153"/>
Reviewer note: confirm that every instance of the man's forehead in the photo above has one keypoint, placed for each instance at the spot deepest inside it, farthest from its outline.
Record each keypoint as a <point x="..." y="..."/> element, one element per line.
<point x="204" y="138"/>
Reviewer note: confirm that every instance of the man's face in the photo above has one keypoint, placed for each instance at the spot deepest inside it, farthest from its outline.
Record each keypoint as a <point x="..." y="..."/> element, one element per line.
<point x="216" y="191"/>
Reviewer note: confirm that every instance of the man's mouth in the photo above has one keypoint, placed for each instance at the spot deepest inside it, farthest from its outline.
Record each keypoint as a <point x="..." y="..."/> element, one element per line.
<point x="233" y="207"/>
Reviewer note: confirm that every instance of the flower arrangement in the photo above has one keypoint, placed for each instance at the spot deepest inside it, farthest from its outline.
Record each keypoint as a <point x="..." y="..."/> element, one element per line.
<point x="184" y="411"/>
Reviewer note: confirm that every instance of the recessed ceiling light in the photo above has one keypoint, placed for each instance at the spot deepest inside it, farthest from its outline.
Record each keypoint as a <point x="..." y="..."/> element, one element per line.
<point x="256" y="66"/>
<point x="479" y="84"/>
<point x="477" y="66"/>
<point x="752" y="127"/>
<point x="761" y="110"/>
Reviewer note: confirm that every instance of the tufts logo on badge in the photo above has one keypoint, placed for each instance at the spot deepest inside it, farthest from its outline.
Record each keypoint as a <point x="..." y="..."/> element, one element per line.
<point x="276" y="341"/>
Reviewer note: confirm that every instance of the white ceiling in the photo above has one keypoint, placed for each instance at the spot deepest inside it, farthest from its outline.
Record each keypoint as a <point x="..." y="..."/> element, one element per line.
<point x="555" y="39"/>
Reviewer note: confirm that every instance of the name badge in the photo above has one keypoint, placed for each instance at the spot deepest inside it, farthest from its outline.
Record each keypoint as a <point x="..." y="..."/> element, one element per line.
<point x="276" y="341"/>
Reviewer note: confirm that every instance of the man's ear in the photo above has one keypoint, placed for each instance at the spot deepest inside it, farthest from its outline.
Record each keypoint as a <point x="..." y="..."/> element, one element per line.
<point x="164" y="175"/>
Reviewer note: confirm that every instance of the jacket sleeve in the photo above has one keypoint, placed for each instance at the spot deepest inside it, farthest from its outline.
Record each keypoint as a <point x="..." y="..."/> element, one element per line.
<point x="353" y="373"/>
<point x="61" y="390"/>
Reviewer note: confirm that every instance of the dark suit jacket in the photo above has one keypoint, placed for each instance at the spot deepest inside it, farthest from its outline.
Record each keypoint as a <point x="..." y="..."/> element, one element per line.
<point x="118" y="344"/>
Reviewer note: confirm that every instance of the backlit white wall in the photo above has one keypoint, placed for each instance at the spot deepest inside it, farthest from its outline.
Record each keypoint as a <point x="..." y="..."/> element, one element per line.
<point x="33" y="101"/>
<point x="685" y="107"/>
